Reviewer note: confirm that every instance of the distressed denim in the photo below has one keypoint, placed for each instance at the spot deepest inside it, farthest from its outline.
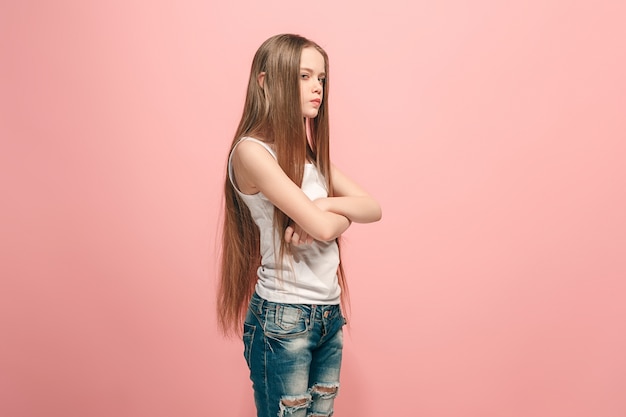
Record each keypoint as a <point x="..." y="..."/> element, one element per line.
<point x="294" y="355"/>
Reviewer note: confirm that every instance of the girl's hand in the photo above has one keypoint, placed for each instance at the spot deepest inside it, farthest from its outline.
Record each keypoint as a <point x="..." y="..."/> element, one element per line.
<point x="295" y="235"/>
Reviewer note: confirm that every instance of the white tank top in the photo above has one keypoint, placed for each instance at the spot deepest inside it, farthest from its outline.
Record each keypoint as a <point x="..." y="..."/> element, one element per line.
<point x="308" y="275"/>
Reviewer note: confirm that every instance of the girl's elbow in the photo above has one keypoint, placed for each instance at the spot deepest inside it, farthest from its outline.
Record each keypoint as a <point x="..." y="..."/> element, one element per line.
<point x="333" y="227"/>
<point x="327" y="235"/>
<point x="322" y="232"/>
<point x="326" y="239"/>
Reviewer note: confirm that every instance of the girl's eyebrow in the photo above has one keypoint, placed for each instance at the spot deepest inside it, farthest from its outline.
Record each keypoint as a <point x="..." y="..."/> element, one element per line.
<point x="311" y="71"/>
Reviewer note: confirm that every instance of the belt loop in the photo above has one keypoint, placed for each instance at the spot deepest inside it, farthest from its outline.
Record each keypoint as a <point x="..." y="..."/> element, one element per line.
<point x="261" y="302"/>
<point x="257" y="302"/>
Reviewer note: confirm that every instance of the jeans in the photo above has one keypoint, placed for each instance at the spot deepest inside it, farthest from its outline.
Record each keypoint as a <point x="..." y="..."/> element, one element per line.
<point x="294" y="355"/>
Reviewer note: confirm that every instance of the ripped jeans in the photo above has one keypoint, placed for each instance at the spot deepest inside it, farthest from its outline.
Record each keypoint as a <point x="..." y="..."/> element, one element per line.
<point x="294" y="355"/>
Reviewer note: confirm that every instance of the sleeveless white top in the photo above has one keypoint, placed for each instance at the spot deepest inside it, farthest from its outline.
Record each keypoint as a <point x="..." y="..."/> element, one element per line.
<point x="307" y="275"/>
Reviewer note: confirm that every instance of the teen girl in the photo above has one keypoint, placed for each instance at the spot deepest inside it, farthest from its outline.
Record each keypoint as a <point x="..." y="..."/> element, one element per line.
<point x="285" y="207"/>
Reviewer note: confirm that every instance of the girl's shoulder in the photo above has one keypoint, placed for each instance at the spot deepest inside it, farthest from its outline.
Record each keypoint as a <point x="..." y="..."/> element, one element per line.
<point x="250" y="160"/>
<point x="249" y="144"/>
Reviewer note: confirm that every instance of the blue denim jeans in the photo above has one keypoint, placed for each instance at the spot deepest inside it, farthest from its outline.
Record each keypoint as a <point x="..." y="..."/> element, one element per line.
<point x="294" y="355"/>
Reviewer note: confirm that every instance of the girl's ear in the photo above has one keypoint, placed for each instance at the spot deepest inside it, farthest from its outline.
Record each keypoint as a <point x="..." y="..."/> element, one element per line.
<point x="261" y="79"/>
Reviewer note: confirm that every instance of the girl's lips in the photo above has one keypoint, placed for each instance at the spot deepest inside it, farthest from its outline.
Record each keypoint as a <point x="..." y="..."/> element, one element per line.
<point x="316" y="101"/>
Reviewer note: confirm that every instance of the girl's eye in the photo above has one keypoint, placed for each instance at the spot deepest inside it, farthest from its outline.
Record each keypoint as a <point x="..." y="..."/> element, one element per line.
<point x="304" y="76"/>
<point x="321" y="80"/>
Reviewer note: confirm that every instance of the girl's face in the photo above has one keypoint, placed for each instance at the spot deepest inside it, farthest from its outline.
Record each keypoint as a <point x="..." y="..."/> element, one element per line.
<point x="312" y="77"/>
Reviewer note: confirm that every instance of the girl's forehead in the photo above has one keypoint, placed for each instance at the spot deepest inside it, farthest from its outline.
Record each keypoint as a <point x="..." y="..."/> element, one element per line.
<point x="312" y="59"/>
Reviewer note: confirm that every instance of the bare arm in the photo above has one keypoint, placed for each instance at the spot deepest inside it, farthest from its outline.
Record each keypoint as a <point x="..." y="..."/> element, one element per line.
<point x="350" y="200"/>
<point x="257" y="171"/>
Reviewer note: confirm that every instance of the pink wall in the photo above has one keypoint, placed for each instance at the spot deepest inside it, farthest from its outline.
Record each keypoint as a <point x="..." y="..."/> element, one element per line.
<point x="493" y="134"/>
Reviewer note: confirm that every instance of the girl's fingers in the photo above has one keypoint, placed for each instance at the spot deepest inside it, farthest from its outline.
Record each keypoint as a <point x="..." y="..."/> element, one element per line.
<point x="305" y="238"/>
<point x="288" y="234"/>
<point x="297" y="236"/>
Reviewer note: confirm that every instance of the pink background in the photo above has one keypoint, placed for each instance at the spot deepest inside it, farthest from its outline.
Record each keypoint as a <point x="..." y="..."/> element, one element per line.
<point x="493" y="133"/>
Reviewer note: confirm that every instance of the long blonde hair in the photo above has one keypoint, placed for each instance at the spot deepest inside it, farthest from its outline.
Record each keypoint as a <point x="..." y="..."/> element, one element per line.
<point x="272" y="112"/>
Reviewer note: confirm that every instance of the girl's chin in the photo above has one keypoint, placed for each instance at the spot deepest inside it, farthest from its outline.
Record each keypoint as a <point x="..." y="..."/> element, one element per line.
<point x="310" y="115"/>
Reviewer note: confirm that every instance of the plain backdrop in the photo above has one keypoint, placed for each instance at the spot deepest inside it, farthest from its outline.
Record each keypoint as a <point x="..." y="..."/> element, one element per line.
<point x="492" y="132"/>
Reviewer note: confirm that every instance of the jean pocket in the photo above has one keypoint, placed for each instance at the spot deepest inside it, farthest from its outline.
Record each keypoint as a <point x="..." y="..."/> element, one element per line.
<point x="248" y="338"/>
<point x="285" y="320"/>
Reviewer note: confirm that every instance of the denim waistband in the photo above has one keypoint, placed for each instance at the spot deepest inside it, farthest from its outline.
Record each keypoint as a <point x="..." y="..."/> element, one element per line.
<point x="257" y="304"/>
